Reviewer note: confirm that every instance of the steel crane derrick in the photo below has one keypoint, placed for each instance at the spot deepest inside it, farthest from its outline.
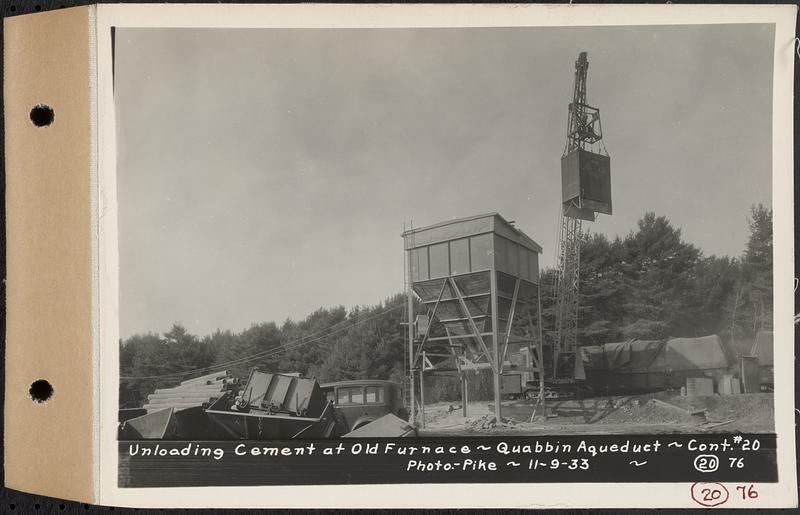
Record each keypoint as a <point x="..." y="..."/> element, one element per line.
<point x="586" y="191"/>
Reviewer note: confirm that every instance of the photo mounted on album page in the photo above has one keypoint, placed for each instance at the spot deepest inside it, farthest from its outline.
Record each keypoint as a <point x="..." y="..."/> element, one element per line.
<point x="351" y="255"/>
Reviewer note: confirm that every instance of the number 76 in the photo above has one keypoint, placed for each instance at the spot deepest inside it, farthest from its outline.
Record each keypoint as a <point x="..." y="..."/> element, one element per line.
<point x="748" y="491"/>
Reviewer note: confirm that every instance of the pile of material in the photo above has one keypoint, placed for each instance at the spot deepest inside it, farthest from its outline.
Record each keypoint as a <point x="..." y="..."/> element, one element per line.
<point x="488" y="421"/>
<point x="191" y="393"/>
<point x="388" y="426"/>
<point x="752" y="412"/>
<point x="178" y="413"/>
<point x="643" y="411"/>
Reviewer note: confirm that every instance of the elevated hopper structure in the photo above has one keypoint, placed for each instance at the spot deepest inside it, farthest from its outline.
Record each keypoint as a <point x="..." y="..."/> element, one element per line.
<point x="478" y="279"/>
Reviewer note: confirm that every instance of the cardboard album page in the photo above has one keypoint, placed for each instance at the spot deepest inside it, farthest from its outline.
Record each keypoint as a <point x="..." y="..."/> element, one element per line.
<point x="50" y="447"/>
<point x="338" y="256"/>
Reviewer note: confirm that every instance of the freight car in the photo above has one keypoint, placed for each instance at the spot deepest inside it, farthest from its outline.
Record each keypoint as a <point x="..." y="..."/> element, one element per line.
<point x="652" y="365"/>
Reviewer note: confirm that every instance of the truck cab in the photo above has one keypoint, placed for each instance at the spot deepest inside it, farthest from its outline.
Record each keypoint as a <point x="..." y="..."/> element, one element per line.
<point x="362" y="401"/>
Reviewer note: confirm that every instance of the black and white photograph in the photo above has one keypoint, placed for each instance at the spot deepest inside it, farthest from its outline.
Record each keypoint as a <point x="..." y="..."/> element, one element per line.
<point x="429" y="234"/>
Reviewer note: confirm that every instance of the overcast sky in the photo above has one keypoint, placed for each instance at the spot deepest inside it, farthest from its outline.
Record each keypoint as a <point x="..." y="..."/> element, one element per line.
<point x="264" y="173"/>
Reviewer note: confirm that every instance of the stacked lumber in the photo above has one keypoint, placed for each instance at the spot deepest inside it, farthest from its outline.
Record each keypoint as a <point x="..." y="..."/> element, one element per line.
<point x="191" y="393"/>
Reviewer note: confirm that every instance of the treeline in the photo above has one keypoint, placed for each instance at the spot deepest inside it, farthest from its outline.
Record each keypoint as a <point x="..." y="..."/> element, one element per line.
<point x="331" y="344"/>
<point x="650" y="284"/>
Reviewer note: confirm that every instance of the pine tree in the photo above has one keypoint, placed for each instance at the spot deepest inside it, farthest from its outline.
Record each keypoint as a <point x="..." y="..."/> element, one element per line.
<point x="661" y="271"/>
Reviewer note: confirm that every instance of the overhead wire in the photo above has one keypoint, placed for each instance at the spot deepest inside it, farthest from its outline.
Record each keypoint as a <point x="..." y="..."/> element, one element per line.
<point x="271" y="351"/>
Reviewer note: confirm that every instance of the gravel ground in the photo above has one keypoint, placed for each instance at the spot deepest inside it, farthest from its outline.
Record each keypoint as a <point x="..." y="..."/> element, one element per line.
<point x="653" y="413"/>
<point x="750" y="412"/>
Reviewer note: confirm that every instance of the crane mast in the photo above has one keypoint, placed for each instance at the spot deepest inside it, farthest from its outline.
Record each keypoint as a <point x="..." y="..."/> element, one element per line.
<point x="569" y="257"/>
<point x="586" y="191"/>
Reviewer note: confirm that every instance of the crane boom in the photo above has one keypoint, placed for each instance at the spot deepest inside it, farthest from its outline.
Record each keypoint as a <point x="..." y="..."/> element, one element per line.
<point x="584" y="129"/>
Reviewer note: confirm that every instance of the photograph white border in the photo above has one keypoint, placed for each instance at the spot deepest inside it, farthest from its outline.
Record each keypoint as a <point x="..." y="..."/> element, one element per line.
<point x="483" y="495"/>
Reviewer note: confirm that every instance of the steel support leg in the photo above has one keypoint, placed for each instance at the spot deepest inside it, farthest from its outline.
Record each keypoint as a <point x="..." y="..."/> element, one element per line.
<point x="422" y="397"/>
<point x="464" y="392"/>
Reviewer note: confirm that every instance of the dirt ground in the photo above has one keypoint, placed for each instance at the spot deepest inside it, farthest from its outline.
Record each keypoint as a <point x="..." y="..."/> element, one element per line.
<point x="648" y="414"/>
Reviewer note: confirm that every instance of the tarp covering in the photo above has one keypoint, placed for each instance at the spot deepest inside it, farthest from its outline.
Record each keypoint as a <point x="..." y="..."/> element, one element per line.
<point x="705" y="352"/>
<point x="647" y="354"/>
<point x="631" y="356"/>
<point x="636" y="356"/>
<point x="763" y="349"/>
<point x="617" y="355"/>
